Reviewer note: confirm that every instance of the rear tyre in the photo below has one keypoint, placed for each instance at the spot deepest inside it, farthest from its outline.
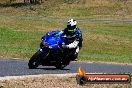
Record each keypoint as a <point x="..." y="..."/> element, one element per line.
<point x="60" y="66"/>
<point x="34" y="62"/>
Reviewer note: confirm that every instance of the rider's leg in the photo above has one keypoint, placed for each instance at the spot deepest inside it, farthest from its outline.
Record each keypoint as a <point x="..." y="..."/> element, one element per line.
<point x="73" y="56"/>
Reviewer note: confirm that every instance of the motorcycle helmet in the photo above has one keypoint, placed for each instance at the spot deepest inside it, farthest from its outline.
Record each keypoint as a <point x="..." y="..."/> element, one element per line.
<point x="71" y="30"/>
<point x="71" y="26"/>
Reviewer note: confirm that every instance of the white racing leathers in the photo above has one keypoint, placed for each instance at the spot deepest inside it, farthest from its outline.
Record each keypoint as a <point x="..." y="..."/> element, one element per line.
<point x="74" y="45"/>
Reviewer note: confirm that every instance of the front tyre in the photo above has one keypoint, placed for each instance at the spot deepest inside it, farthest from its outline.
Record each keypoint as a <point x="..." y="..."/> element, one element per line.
<point x="34" y="62"/>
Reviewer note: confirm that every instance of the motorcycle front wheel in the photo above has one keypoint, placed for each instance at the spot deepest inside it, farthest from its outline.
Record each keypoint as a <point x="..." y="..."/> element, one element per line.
<point x="34" y="61"/>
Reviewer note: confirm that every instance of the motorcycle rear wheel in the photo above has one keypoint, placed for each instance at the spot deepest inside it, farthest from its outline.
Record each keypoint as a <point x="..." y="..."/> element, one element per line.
<point x="60" y="66"/>
<point x="34" y="62"/>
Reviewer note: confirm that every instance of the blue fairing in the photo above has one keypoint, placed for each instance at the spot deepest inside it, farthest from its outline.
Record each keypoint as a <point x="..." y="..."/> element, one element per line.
<point x="52" y="39"/>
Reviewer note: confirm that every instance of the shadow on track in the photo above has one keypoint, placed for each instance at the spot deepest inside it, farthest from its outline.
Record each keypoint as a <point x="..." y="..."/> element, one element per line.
<point x="52" y="69"/>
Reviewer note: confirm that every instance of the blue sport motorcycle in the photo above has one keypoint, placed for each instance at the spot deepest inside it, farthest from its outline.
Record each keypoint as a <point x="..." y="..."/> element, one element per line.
<point x="50" y="53"/>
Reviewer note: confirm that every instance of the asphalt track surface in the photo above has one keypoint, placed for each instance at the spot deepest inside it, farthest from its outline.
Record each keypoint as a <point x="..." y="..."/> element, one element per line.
<point x="15" y="67"/>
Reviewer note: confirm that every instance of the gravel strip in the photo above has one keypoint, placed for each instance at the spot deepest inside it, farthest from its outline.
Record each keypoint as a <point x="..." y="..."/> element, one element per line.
<point x="36" y="76"/>
<point x="51" y="81"/>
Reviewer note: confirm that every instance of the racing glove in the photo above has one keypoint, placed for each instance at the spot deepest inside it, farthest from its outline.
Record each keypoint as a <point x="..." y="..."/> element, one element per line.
<point x="73" y="45"/>
<point x="64" y="46"/>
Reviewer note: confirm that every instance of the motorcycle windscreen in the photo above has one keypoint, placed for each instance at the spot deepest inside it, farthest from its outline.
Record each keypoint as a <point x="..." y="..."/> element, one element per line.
<point x="53" y="38"/>
<point x="53" y="42"/>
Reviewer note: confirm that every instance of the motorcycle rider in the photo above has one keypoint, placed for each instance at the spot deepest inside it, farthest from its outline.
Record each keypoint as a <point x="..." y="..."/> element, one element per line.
<point x="73" y="39"/>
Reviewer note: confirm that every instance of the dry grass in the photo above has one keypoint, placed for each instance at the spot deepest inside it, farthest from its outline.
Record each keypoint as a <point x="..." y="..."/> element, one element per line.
<point x="90" y="9"/>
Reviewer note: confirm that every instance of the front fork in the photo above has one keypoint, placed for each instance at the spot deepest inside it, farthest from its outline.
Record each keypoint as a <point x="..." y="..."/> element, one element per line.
<point x="41" y="50"/>
<point x="45" y="52"/>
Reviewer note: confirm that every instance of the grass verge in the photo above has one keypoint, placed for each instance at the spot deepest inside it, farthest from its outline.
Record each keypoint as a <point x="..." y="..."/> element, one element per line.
<point x="103" y="41"/>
